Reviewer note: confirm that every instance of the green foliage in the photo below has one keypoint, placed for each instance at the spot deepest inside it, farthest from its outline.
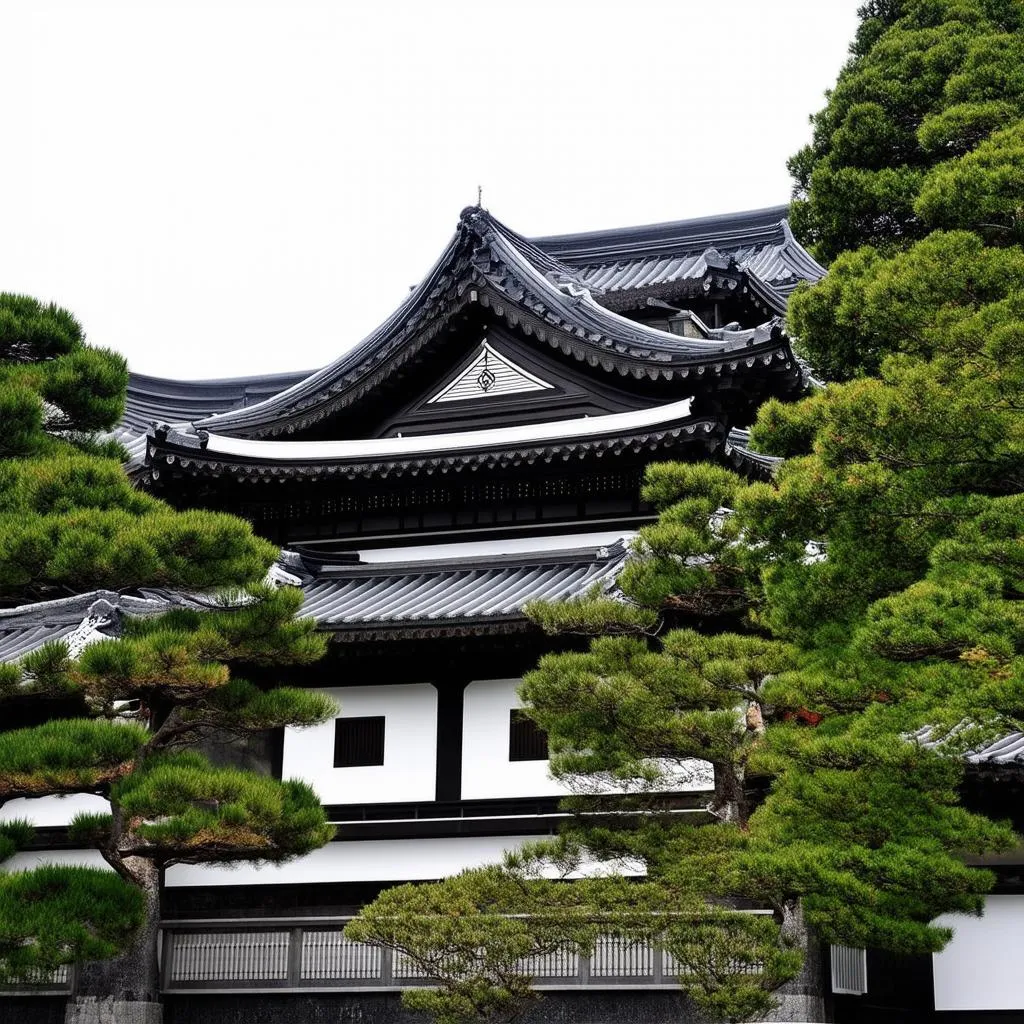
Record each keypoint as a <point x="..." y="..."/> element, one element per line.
<point x="14" y="835"/>
<point x="65" y="756"/>
<point x="55" y="915"/>
<point x="981" y="190"/>
<point x="69" y="516"/>
<point x="867" y="830"/>
<point x="94" y="548"/>
<point x="591" y="613"/>
<point x="71" y="520"/>
<point x="193" y="812"/>
<point x="869" y="307"/>
<point x="240" y="707"/>
<point x="168" y="805"/>
<point x="633" y="715"/>
<point x="690" y="561"/>
<point x="731" y="963"/>
<point x="473" y="935"/>
<point x="44" y="359"/>
<point x="261" y="628"/>
<point x="927" y="82"/>
<point x="470" y="934"/>
<point x="184" y="656"/>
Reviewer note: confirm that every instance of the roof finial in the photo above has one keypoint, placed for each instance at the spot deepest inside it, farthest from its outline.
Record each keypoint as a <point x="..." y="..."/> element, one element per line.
<point x="480" y="196"/>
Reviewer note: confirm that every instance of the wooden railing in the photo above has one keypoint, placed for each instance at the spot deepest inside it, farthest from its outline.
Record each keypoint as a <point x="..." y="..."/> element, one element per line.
<point x="41" y="983"/>
<point x="313" y="953"/>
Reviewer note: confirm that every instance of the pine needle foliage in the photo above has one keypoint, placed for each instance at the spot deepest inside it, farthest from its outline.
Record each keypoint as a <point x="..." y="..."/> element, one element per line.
<point x="58" y="914"/>
<point x="69" y="516"/>
<point x="72" y="520"/>
<point x="169" y="804"/>
<point x="832" y="641"/>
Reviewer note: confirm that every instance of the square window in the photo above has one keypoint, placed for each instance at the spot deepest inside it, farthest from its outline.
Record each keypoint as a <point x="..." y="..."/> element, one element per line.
<point x="527" y="741"/>
<point x="358" y="742"/>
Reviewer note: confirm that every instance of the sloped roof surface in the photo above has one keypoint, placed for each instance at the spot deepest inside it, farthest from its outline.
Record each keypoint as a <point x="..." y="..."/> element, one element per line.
<point x="478" y="589"/>
<point x="455" y="590"/>
<point x="521" y="283"/>
<point x="759" y="241"/>
<point x="158" y="398"/>
<point x="1008" y="749"/>
<point x="28" y="627"/>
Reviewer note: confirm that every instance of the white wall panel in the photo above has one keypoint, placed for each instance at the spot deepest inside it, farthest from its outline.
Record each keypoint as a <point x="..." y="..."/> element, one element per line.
<point x="410" y="747"/>
<point x="372" y="860"/>
<point x="53" y="810"/>
<point x="487" y="773"/>
<point x="28" y="859"/>
<point x="980" y="969"/>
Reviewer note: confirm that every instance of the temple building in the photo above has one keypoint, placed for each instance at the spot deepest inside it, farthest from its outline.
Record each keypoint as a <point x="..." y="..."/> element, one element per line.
<point x="482" y="448"/>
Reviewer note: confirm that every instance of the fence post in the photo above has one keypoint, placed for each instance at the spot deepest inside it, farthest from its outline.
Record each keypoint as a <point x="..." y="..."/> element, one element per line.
<point x="387" y="975"/>
<point x="659" y="963"/>
<point x="295" y="957"/>
<point x="166" y="957"/>
<point x="584" y="975"/>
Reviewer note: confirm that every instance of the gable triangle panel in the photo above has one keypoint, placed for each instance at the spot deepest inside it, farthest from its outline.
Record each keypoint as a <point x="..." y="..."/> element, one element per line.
<point x="489" y="375"/>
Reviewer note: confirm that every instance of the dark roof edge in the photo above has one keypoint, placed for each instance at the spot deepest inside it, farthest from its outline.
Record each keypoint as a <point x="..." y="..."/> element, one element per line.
<point x="590" y="244"/>
<point x="591" y="555"/>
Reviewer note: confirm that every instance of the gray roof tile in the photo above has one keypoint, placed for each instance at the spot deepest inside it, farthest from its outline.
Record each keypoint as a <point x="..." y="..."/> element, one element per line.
<point x="354" y="597"/>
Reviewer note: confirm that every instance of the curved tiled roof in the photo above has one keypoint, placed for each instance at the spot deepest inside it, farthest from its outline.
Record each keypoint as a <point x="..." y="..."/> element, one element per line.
<point x="745" y="459"/>
<point x="1007" y="749"/>
<point x="426" y="596"/>
<point x="758" y="241"/>
<point x="546" y="284"/>
<point x="486" y="262"/>
<point x="83" y="617"/>
<point x="161" y="399"/>
<point x="474" y="592"/>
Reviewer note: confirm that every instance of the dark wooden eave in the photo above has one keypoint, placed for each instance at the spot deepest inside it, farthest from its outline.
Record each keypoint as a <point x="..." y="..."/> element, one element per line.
<point x="662" y="429"/>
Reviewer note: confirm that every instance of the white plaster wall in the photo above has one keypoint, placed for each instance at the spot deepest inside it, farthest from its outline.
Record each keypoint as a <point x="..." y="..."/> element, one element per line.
<point x="53" y="810"/>
<point x="373" y="860"/>
<point x="487" y="773"/>
<point x="980" y="969"/>
<point x="410" y="747"/>
<point x="29" y="859"/>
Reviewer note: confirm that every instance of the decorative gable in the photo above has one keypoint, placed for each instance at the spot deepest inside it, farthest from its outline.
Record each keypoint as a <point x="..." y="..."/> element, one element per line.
<point x="489" y="374"/>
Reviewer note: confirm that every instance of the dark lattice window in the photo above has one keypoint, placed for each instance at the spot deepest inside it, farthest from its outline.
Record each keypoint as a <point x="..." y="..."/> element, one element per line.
<point x="527" y="741"/>
<point x="358" y="741"/>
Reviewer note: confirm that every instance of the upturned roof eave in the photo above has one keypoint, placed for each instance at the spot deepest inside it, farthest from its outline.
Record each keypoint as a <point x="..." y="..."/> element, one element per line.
<point x="184" y="453"/>
<point x="572" y="322"/>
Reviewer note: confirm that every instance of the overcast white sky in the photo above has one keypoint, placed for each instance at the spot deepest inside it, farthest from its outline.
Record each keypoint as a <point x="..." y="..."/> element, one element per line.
<point x="221" y="187"/>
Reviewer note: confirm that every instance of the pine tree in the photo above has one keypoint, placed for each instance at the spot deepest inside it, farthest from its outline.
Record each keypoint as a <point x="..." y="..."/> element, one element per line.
<point x="123" y="719"/>
<point x="926" y="82"/>
<point x="70" y="519"/>
<point x="801" y="635"/>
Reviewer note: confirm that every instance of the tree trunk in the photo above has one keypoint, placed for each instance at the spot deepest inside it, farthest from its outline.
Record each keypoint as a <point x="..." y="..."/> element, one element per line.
<point x="802" y="998"/>
<point x="125" y="990"/>
<point x="729" y="803"/>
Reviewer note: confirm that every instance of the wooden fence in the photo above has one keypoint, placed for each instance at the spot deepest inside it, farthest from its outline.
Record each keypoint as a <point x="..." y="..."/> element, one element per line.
<point x="313" y="953"/>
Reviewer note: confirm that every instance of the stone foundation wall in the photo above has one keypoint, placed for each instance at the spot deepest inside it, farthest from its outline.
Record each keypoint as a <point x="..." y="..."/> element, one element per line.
<point x="386" y="1008"/>
<point x="32" y="1009"/>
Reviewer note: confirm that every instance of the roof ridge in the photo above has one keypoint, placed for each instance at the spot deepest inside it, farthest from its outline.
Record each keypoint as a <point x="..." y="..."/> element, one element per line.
<point x="707" y="228"/>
